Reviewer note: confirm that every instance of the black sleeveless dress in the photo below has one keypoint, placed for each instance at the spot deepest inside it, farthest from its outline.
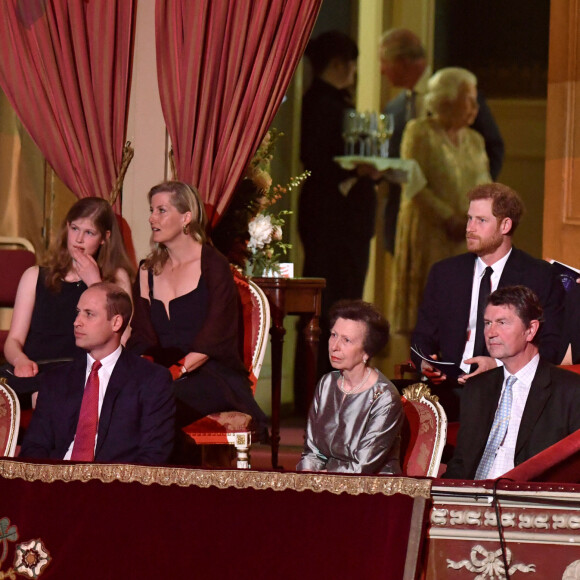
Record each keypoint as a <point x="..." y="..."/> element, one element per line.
<point x="51" y="333"/>
<point x="214" y="386"/>
<point x="50" y="340"/>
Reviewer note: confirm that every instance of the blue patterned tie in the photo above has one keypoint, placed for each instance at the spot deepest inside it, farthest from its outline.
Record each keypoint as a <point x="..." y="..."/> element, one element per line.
<point x="498" y="430"/>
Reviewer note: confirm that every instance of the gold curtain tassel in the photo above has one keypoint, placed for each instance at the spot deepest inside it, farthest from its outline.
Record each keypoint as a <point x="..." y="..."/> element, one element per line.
<point x="172" y="164"/>
<point x="128" y="153"/>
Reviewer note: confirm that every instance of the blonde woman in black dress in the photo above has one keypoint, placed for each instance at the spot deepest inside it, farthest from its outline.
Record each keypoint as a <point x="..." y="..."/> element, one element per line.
<point x="186" y="310"/>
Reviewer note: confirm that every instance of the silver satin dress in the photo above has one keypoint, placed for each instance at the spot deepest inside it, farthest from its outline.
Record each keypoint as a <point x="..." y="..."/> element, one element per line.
<point x="357" y="433"/>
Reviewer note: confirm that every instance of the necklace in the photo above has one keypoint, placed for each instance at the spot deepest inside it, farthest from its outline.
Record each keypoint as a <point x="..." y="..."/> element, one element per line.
<point x="77" y="281"/>
<point x="354" y="389"/>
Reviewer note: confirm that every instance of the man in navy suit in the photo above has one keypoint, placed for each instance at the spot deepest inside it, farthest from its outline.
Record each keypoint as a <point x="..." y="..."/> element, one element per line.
<point x="136" y="409"/>
<point x="447" y="320"/>
<point x="403" y="63"/>
<point x="512" y="413"/>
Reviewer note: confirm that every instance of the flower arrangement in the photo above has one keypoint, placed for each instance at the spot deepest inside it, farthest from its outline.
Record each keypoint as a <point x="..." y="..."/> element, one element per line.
<point x="250" y="233"/>
<point x="266" y="245"/>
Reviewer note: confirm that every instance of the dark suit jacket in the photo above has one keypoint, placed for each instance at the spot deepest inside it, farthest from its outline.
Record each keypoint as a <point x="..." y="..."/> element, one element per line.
<point x="551" y="413"/>
<point x="571" y="333"/>
<point x="443" y="317"/>
<point x="136" y="424"/>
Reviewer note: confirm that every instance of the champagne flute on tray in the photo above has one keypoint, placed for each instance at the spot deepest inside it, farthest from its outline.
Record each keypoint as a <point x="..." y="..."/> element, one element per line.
<point x="364" y="134"/>
<point x="349" y="131"/>
<point x="386" y="129"/>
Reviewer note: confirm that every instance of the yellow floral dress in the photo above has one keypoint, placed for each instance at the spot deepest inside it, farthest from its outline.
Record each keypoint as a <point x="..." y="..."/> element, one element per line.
<point x="451" y="171"/>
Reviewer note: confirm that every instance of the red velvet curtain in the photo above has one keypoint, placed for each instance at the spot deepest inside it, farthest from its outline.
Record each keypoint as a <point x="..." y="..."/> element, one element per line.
<point x="223" y="68"/>
<point x="65" y="70"/>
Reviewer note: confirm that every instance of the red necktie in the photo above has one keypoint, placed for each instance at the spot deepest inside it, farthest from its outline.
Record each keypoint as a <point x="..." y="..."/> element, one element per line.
<point x="84" y="445"/>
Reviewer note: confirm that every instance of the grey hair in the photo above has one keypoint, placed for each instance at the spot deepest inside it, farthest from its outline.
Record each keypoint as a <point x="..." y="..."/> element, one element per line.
<point x="444" y="86"/>
<point x="401" y="43"/>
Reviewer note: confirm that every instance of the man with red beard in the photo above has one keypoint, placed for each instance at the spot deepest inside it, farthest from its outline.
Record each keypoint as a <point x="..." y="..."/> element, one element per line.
<point x="450" y="319"/>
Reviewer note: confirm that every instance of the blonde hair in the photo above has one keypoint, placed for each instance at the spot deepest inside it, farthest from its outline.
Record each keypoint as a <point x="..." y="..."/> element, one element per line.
<point x="184" y="198"/>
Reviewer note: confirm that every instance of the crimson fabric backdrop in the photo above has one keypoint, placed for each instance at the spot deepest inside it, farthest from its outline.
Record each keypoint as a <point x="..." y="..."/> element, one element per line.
<point x="65" y="70"/>
<point x="223" y="69"/>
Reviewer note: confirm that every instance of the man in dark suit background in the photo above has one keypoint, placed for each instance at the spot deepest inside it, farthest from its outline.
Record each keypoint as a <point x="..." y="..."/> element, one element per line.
<point x="449" y="317"/>
<point x="511" y="413"/>
<point x="110" y="406"/>
<point x="403" y="63"/>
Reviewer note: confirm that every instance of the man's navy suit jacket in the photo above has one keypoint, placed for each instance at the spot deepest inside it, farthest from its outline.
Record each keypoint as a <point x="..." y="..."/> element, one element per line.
<point x="136" y="424"/>
<point x="552" y="412"/>
<point x="443" y="317"/>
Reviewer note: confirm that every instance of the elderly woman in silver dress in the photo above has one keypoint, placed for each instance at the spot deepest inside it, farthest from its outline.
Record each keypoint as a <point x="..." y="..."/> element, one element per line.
<point x="355" y="419"/>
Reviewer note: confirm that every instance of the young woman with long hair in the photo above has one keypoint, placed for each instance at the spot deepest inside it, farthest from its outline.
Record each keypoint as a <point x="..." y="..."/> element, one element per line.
<point x="87" y="249"/>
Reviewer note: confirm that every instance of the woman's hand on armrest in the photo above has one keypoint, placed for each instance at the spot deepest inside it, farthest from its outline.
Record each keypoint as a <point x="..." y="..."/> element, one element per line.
<point x="190" y="362"/>
<point x="24" y="367"/>
<point x="194" y="360"/>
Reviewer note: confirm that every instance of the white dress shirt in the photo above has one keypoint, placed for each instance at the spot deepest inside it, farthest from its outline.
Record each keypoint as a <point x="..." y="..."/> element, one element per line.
<point x="478" y="272"/>
<point x="504" y="459"/>
<point x="105" y="372"/>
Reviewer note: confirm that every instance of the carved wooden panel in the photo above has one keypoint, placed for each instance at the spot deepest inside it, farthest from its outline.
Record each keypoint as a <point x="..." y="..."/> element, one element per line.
<point x="540" y="527"/>
<point x="562" y="183"/>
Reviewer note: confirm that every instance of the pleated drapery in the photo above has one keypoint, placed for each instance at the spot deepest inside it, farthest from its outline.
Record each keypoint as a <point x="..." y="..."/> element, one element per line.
<point x="65" y="68"/>
<point x="223" y="69"/>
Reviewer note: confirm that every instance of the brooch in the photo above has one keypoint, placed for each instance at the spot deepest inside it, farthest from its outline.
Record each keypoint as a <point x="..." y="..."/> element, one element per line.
<point x="377" y="394"/>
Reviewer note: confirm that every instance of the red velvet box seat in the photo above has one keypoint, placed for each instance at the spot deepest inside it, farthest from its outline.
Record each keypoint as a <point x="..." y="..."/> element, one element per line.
<point x="141" y="522"/>
<point x="424" y="432"/>
<point x="13" y="263"/>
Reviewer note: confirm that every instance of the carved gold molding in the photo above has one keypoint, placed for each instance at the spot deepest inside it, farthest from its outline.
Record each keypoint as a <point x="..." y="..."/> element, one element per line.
<point x="418" y="390"/>
<point x="222" y="479"/>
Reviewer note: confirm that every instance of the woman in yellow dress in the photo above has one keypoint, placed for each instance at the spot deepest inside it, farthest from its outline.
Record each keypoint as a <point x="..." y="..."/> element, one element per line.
<point x="452" y="157"/>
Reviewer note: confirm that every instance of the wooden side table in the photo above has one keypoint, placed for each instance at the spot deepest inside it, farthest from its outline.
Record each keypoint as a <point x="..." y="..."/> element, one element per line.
<point x="291" y="296"/>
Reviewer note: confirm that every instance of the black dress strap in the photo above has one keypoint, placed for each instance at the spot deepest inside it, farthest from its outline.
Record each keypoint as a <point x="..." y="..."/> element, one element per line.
<point x="150" y="281"/>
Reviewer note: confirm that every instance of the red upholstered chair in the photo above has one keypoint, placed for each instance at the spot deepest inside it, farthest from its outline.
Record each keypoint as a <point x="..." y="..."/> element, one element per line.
<point x="424" y="432"/>
<point x="9" y="419"/>
<point x="233" y="427"/>
<point x="16" y="255"/>
<point x="572" y="368"/>
<point x="401" y="380"/>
